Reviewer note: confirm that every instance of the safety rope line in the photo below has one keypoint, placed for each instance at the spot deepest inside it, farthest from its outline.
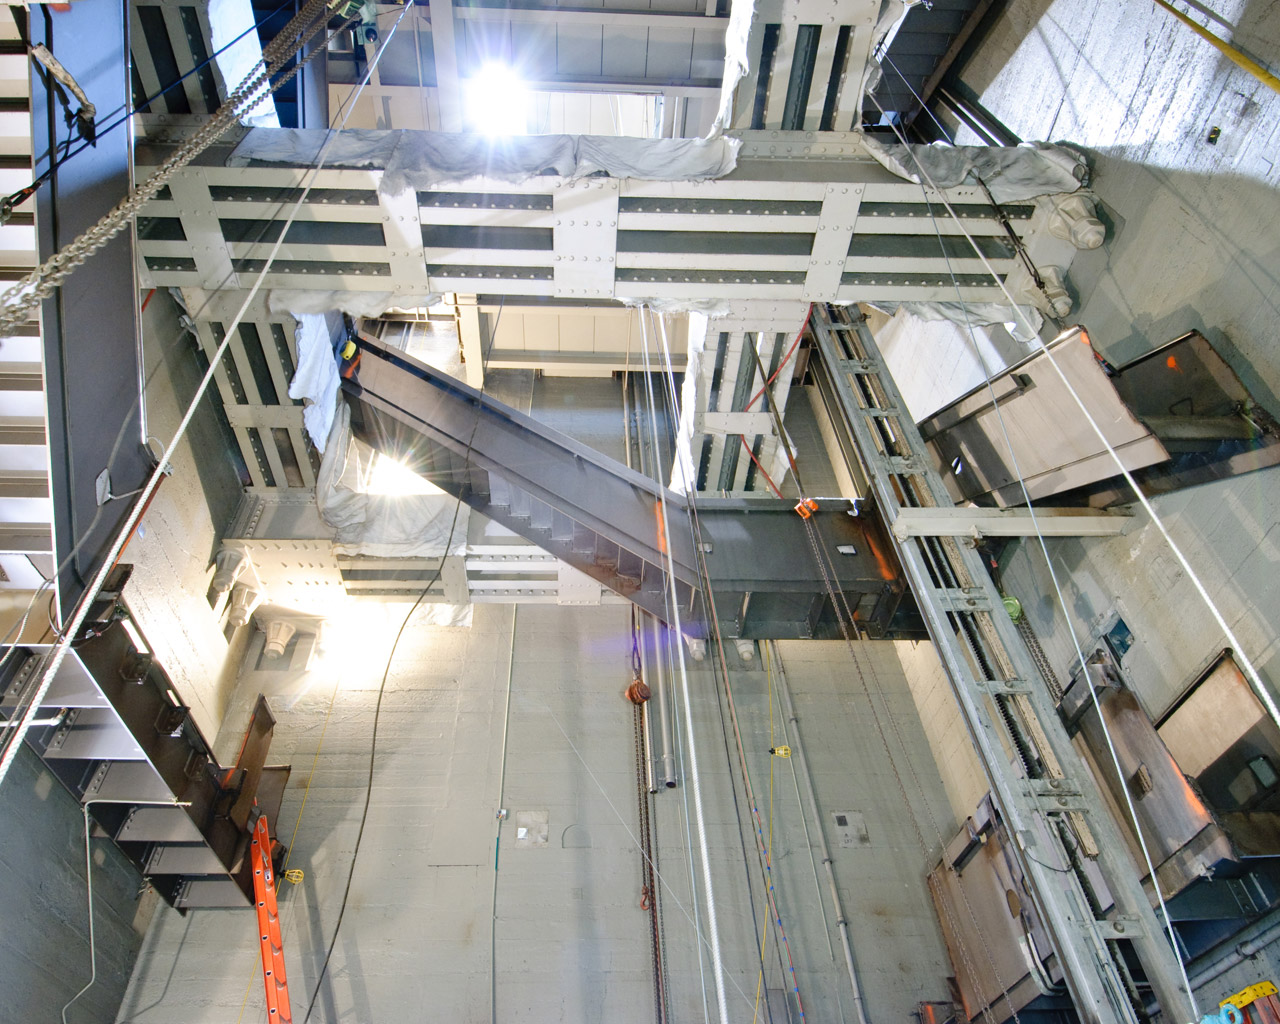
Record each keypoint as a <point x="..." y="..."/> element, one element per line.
<point x="714" y="623"/>
<point x="1019" y="246"/>
<point x="703" y="940"/>
<point x="646" y="441"/>
<point x="1259" y="687"/>
<point x="763" y="472"/>
<point x="713" y="926"/>
<point x="695" y="530"/>
<point x="18" y="302"/>
<point x="847" y="622"/>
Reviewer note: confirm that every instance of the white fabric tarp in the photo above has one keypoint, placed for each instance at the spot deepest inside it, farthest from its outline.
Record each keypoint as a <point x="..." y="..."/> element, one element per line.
<point x="978" y="314"/>
<point x="366" y="304"/>
<point x="1012" y="173"/>
<point x="381" y="525"/>
<point x="683" y="468"/>
<point x="351" y="148"/>
<point x="420" y="160"/>
<point x="237" y="61"/>
<point x="316" y="379"/>
<point x="892" y="14"/>
<point x="425" y="159"/>
<point x="707" y="307"/>
<point x="737" y="61"/>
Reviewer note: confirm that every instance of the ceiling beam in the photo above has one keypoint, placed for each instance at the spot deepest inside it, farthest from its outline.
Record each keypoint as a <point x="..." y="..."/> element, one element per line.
<point x="595" y="16"/>
<point x="448" y="84"/>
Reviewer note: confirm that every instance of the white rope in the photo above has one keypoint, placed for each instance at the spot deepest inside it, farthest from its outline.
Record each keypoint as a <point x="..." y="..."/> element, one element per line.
<point x="702" y="940"/>
<point x="1259" y="687"/>
<point x="694" y="778"/>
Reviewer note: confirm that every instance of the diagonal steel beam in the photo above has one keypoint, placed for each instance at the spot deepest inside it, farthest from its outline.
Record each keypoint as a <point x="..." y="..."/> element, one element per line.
<point x="605" y="519"/>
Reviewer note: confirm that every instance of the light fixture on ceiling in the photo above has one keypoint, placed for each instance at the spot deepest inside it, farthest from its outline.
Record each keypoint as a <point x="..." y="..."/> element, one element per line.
<point x="395" y="479"/>
<point x="497" y="101"/>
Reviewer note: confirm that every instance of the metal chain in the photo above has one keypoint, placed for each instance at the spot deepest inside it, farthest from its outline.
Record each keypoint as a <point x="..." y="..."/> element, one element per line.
<point x="1039" y="657"/>
<point x="649" y="887"/>
<point x="25" y="296"/>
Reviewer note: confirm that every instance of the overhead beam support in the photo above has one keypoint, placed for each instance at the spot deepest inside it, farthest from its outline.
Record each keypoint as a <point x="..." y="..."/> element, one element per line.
<point x="805" y="216"/>
<point x="1007" y="522"/>
<point x="605" y="520"/>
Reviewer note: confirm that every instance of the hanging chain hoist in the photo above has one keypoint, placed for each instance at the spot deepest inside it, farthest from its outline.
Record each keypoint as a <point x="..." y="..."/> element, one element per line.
<point x="19" y="301"/>
<point x="637" y="692"/>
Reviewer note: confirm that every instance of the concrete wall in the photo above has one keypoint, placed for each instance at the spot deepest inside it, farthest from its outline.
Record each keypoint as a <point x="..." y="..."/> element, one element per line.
<point x="557" y="932"/>
<point x="1192" y="226"/>
<point x="1191" y="244"/>
<point x="44" y="954"/>
<point x="44" y="944"/>
<point x="944" y="728"/>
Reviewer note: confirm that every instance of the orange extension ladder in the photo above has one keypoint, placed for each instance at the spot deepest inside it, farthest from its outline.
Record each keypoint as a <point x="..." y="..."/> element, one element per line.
<point x="264" y="895"/>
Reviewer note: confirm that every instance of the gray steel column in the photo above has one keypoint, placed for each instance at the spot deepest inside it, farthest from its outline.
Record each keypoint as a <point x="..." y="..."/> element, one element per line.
<point x="91" y="361"/>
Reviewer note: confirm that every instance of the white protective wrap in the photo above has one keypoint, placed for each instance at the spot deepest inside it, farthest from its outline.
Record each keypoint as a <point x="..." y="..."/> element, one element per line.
<point x="239" y="61"/>
<point x="892" y="14"/>
<point x="426" y="159"/>
<point x="977" y="314"/>
<point x="1012" y="173"/>
<point x="351" y="148"/>
<point x="421" y="160"/>
<point x="316" y="380"/>
<point x="366" y="304"/>
<point x="380" y="525"/>
<point x="684" y="471"/>
<point x="706" y="307"/>
<point x="737" y="62"/>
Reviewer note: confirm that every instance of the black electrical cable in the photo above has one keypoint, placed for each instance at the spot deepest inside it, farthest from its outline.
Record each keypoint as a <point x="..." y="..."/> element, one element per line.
<point x="368" y="792"/>
<point x="25" y="193"/>
<point x="373" y="745"/>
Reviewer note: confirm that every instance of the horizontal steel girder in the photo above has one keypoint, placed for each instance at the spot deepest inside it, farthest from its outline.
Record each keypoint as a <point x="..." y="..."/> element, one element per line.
<point x="804" y="216"/>
<point x="606" y="520"/>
